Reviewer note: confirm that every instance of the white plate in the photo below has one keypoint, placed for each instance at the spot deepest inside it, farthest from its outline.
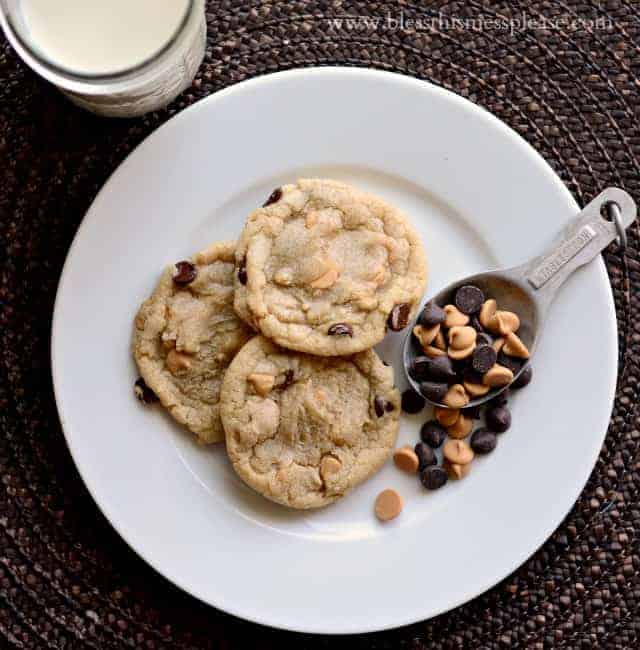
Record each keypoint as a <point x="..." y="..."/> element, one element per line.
<point x="480" y="197"/>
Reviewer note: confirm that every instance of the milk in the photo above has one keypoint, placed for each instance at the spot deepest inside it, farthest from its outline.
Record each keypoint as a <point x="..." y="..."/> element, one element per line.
<point x="101" y="36"/>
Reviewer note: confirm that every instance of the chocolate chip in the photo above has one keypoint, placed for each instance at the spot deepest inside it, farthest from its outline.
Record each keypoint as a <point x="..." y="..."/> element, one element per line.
<point x="242" y="272"/>
<point x="380" y="405"/>
<point x="434" y="391"/>
<point x="501" y="398"/>
<point x="143" y="392"/>
<point x="433" y="477"/>
<point x="433" y="433"/>
<point x="483" y="441"/>
<point x="483" y="358"/>
<point x="484" y="339"/>
<point x="440" y="369"/>
<point x="399" y="317"/>
<point x="477" y="325"/>
<point x="524" y="379"/>
<point x="462" y="369"/>
<point x="473" y="413"/>
<point x="510" y="362"/>
<point x="471" y="376"/>
<point x="388" y="407"/>
<point x="431" y="315"/>
<point x="288" y="379"/>
<point x="340" y="329"/>
<point x="426" y="456"/>
<point x="412" y="402"/>
<point x="274" y="197"/>
<point x="469" y="299"/>
<point x="185" y="273"/>
<point x="418" y="367"/>
<point x="498" y="418"/>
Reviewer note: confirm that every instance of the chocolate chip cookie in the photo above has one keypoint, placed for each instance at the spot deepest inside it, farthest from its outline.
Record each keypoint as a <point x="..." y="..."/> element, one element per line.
<point x="324" y="268"/>
<point x="302" y="430"/>
<point x="185" y="336"/>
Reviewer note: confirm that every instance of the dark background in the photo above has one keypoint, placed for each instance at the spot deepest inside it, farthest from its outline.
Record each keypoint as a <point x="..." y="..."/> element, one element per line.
<point x="66" y="579"/>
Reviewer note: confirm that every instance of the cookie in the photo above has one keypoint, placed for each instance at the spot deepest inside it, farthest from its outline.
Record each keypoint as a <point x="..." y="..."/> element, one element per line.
<point x="302" y="430"/>
<point x="185" y="336"/>
<point x="324" y="268"/>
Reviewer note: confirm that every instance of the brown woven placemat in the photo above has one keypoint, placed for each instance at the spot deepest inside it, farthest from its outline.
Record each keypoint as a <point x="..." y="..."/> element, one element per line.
<point x="66" y="579"/>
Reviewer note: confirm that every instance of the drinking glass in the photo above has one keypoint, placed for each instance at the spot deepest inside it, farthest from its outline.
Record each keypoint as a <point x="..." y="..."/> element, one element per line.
<point x="145" y="87"/>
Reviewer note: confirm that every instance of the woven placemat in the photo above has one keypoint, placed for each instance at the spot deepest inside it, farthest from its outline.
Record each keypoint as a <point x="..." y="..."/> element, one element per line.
<point x="564" y="74"/>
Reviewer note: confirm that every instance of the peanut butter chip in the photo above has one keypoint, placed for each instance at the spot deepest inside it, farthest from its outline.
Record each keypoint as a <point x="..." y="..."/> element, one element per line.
<point x="426" y="335"/>
<point x="328" y="278"/>
<point x="439" y="341"/>
<point x="488" y="312"/>
<point x="284" y="277"/>
<point x="446" y="417"/>
<point x="514" y="347"/>
<point x="311" y="219"/>
<point x="497" y="376"/>
<point x="388" y="505"/>
<point x="262" y="383"/>
<point x="406" y="460"/>
<point x="458" y="452"/>
<point x="497" y="344"/>
<point x="461" y="336"/>
<point x="456" y="397"/>
<point x="455" y="470"/>
<point x="379" y="275"/>
<point x="167" y="344"/>
<point x="208" y="255"/>
<point x="433" y="352"/>
<point x="507" y="322"/>
<point x="177" y="362"/>
<point x="462" y="341"/>
<point x="476" y="390"/>
<point x="461" y="354"/>
<point x="329" y="465"/>
<point x="454" y="317"/>
<point x="461" y="428"/>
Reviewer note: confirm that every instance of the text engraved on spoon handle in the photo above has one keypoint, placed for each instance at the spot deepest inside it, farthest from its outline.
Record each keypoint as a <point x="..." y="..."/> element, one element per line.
<point x="563" y="255"/>
<point x="582" y="240"/>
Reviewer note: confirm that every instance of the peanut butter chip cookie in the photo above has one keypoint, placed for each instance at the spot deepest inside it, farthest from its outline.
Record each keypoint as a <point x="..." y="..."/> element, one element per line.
<point x="185" y="336"/>
<point x="325" y="425"/>
<point x="324" y="268"/>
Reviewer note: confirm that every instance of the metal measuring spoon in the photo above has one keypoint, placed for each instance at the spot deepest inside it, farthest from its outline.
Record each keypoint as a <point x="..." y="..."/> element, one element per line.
<point x="528" y="290"/>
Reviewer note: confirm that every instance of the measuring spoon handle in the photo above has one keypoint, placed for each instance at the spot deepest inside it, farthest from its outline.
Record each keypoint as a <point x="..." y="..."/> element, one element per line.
<point x="579" y="242"/>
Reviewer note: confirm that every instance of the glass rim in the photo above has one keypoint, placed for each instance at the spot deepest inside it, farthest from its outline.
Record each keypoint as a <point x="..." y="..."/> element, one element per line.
<point x="71" y="74"/>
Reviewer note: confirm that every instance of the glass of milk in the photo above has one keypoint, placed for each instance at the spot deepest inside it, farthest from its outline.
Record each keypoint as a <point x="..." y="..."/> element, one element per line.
<point x="114" y="57"/>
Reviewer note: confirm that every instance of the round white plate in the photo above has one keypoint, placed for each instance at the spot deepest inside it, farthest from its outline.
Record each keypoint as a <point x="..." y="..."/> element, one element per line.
<point x="480" y="197"/>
